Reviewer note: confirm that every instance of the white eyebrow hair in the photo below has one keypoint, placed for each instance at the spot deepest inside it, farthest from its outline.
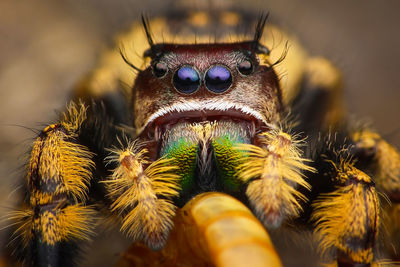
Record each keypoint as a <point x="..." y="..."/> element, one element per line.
<point x="219" y="105"/>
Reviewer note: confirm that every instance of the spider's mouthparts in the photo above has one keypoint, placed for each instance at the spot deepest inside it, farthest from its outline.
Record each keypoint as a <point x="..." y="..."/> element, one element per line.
<point x="204" y="128"/>
<point x="204" y="152"/>
<point x="204" y="132"/>
<point x="215" y="118"/>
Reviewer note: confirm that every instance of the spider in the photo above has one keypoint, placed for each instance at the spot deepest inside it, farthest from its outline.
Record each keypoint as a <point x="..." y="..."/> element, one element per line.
<point x="150" y="129"/>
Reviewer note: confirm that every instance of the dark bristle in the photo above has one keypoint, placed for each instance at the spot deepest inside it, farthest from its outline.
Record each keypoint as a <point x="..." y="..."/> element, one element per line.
<point x="146" y="26"/>
<point x="122" y="53"/>
<point x="153" y="52"/>
<point x="283" y="55"/>
<point x="260" y="28"/>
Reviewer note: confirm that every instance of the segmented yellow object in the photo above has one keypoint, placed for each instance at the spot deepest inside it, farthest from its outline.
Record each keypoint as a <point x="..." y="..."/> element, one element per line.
<point x="213" y="229"/>
<point x="231" y="233"/>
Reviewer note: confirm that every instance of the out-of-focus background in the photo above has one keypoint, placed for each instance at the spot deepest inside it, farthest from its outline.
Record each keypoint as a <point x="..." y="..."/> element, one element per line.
<point x="46" y="45"/>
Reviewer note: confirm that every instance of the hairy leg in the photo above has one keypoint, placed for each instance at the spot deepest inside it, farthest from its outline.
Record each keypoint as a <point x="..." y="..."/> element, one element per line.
<point x="58" y="178"/>
<point x="347" y="219"/>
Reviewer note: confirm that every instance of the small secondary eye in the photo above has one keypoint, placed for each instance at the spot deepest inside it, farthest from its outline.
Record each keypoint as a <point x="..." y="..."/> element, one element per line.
<point x="218" y="79"/>
<point x="186" y="80"/>
<point x="245" y="67"/>
<point x="160" y="69"/>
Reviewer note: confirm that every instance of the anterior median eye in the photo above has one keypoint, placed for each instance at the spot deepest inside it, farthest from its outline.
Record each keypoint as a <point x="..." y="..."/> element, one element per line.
<point x="218" y="79"/>
<point x="186" y="80"/>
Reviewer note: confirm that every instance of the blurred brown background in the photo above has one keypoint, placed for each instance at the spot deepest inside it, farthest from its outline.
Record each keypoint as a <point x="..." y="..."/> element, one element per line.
<point x="45" y="46"/>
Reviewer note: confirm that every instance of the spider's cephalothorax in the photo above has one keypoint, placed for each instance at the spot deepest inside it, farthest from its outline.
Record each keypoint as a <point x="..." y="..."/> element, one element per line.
<point x="206" y="117"/>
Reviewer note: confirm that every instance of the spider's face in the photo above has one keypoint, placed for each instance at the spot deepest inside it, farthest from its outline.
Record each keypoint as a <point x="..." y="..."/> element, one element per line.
<point x="200" y="83"/>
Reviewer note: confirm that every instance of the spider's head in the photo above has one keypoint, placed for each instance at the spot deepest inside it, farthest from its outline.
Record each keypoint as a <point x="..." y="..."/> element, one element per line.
<point x="206" y="82"/>
<point x="192" y="84"/>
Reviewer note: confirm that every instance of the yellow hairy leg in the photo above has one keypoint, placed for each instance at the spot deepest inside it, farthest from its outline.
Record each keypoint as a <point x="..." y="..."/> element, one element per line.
<point x="213" y="229"/>
<point x="59" y="172"/>
<point x="272" y="171"/>
<point x="384" y="163"/>
<point x="348" y="218"/>
<point x="141" y="193"/>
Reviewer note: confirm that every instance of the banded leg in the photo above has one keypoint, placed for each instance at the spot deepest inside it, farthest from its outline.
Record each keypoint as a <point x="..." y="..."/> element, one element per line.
<point x="59" y="172"/>
<point x="347" y="219"/>
<point x="383" y="161"/>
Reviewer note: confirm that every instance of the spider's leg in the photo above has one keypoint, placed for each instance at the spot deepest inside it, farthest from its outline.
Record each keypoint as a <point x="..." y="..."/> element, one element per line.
<point x="346" y="215"/>
<point x="318" y="106"/>
<point x="56" y="215"/>
<point x="66" y="165"/>
<point x="382" y="160"/>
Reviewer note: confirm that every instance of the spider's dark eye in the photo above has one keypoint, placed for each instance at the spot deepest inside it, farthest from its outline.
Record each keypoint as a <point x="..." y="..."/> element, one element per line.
<point x="245" y="67"/>
<point x="218" y="79"/>
<point x="160" y="69"/>
<point x="186" y="80"/>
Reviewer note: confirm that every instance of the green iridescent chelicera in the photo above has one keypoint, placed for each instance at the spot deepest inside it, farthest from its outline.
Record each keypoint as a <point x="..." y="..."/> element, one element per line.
<point x="184" y="150"/>
<point x="227" y="160"/>
<point x="184" y="153"/>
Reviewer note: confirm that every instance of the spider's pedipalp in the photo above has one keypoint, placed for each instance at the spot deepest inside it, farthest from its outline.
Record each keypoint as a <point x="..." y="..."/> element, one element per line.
<point x="273" y="171"/>
<point x="141" y="193"/>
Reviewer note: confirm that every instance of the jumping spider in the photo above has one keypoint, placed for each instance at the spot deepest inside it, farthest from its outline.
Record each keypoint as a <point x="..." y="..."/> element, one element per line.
<point x="203" y="117"/>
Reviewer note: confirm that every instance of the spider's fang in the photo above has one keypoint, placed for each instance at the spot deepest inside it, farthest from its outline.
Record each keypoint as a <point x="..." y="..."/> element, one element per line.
<point x="272" y="172"/>
<point x="143" y="195"/>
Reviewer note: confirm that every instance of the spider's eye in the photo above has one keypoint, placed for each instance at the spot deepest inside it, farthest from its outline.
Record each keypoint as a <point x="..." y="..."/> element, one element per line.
<point x="160" y="69"/>
<point x="186" y="80"/>
<point x="218" y="79"/>
<point x="245" y="67"/>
